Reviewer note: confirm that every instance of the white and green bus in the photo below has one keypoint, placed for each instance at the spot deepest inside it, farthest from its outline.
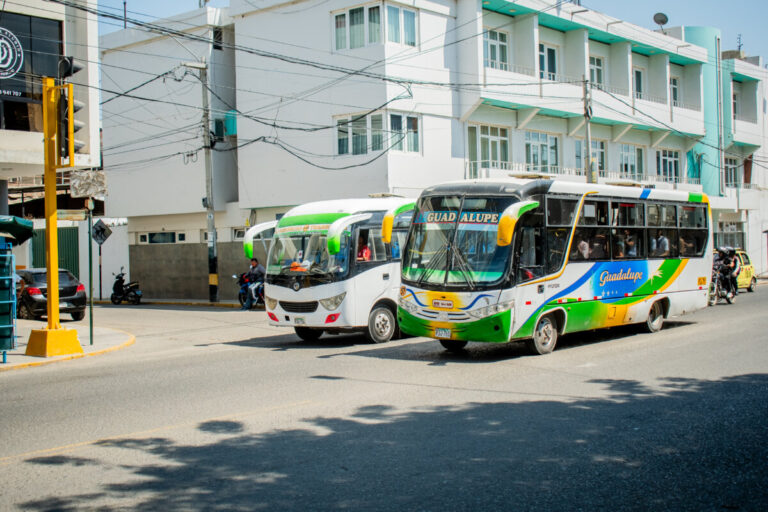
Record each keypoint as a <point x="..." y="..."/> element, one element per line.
<point x="330" y="270"/>
<point x="498" y="261"/>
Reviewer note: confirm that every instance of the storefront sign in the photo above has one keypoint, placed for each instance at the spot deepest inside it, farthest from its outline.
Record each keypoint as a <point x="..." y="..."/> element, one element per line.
<point x="11" y="54"/>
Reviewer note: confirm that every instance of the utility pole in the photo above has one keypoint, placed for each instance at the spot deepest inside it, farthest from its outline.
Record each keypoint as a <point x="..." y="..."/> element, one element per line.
<point x="588" y="167"/>
<point x="213" y="272"/>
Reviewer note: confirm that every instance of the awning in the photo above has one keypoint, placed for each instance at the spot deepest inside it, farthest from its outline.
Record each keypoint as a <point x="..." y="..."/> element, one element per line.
<point x="17" y="228"/>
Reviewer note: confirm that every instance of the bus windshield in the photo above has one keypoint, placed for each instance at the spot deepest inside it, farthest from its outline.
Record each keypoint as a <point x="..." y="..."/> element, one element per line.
<point x="453" y="242"/>
<point x="307" y="254"/>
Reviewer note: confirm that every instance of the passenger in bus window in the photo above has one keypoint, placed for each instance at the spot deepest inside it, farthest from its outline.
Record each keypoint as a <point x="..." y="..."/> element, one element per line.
<point x="599" y="247"/>
<point x="660" y="245"/>
<point x="363" y="251"/>
<point x="630" y="245"/>
<point x="583" y="249"/>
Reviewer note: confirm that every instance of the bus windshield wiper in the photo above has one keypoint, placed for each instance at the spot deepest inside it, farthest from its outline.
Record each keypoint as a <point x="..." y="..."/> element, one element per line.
<point x="432" y="264"/>
<point x="463" y="266"/>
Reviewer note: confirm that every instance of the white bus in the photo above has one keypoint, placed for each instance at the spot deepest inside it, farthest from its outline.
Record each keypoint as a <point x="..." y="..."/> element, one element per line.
<point x="497" y="261"/>
<point x="329" y="269"/>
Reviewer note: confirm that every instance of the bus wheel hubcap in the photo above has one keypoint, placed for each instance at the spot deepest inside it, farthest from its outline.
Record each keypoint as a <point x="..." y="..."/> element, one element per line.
<point x="382" y="324"/>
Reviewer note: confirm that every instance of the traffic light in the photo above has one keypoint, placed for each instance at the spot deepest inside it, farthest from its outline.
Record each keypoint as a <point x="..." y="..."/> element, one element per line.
<point x="66" y="108"/>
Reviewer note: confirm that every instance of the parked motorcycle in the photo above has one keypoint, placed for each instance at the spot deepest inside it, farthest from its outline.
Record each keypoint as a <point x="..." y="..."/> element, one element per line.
<point x="718" y="287"/>
<point x="125" y="292"/>
<point x="244" y="283"/>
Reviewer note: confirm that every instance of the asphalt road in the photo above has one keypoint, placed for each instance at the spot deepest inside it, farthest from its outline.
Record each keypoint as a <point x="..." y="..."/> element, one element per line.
<point x="212" y="409"/>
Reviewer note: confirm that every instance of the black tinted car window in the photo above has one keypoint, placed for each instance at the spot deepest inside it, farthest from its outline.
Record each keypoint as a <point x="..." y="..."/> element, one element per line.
<point x="64" y="277"/>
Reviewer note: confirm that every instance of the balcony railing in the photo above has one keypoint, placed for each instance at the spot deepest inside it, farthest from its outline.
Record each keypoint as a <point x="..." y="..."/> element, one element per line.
<point x="610" y="89"/>
<point x="647" y="97"/>
<point x="747" y="186"/>
<point x="686" y="106"/>
<point x="491" y="169"/>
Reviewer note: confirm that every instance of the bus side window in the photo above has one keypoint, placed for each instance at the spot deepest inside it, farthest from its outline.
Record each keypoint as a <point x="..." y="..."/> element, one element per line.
<point x="531" y="255"/>
<point x="398" y="242"/>
<point x="557" y="243"/>
<point x="376" y="245"/>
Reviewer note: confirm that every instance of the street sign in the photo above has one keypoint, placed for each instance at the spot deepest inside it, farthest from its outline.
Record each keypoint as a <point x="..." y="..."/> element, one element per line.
<point x="72" y="214"/>
<point x="101" y="232"/>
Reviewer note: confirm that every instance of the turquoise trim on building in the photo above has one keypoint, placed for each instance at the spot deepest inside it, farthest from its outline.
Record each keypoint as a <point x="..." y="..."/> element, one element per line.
<point x="707" y="147"/>
<point x="563" y="25"/>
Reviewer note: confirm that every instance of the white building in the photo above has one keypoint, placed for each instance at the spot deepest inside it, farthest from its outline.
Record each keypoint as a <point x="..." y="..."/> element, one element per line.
<point x="33" y="35"/>
<point x="338" y="99"/>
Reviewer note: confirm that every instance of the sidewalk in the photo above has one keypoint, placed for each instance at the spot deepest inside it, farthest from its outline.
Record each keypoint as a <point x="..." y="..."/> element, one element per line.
<point x="175" y="302"/>
<point x="104" y="340"/>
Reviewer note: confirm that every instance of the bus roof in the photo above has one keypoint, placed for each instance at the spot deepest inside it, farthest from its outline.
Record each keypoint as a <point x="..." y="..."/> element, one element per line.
<point x="528" y="187"/>
<point x="320" y="214"/>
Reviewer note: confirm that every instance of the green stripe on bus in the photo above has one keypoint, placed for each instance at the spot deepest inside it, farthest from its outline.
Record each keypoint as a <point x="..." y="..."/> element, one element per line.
<point x="695" y="198"/>
<point x="315" y="218"/>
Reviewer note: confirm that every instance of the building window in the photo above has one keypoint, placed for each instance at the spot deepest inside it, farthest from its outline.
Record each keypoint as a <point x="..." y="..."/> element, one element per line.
<point x="631" y="161"/>
<point x="161" y="237"/>
<point x="357" y="135"/>
<point x="40" y="43"/>
<point x="374" y="25"/>
<point x="598" y="154"/>
<point x="541" y="152"/>
<point x="668" y="165"/>
<point x="731" y="173"/>
<point x="404" y="133"/>
<point x="218" y="38"/>
<point x="735" y="106"/>
<point x="596" y="71"/>
<point x="238" y="234"/>
<point x="547" y="62"/>
<point x="401" y="25"/>
<point x="353" y="29"/>
<point x="495" y="50"/>
<point x="674" y="91"/>
<point x="637" y="83"/>
<point x="493" y="142"/>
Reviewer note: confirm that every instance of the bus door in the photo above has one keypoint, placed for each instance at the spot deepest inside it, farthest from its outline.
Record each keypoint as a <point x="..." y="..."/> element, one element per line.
<point x="373" y="269"/>
<point x="529" y="262"/>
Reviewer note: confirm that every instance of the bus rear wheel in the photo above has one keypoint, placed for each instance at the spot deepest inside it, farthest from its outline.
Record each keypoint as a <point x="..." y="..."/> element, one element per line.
<point x="308" y="334"/>
<point x="381" y="325"/>
<point x="453" y="345"/>
<point x="544" y="336"/>
<point x="655" y="318"/>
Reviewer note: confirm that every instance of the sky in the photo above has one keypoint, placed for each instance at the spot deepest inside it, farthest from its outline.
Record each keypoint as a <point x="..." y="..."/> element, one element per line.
<point x="734" y="17"/>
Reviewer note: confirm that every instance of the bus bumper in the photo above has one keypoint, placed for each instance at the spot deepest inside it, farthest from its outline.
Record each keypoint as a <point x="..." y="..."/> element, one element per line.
<point x="493" y="328"/>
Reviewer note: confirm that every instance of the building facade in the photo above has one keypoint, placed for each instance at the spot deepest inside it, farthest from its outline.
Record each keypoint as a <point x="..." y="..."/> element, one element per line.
<point x="34" y="34"/>
<point x="338" y="99"/>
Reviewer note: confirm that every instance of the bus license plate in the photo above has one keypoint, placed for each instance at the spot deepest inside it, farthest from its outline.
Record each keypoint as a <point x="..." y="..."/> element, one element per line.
<point x="442" y="333"/>
<point x="299" y="320"/>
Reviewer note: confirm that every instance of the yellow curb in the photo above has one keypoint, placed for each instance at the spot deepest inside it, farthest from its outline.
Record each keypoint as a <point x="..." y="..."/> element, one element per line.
<point x="19" y="366"/>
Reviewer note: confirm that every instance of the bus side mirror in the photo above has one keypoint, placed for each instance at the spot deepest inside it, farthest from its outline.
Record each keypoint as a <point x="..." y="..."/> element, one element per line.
<point x="508" y="219"/>
<point x="389" y="221"/>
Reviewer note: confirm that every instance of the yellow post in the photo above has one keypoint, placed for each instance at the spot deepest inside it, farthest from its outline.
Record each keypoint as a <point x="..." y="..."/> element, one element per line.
<point x="55" y="340"/>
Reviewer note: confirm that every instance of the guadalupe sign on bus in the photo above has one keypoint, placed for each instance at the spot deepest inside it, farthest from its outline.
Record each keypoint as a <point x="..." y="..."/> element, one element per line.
<point x="498" y="261"/>
<point x="330" y="270"/>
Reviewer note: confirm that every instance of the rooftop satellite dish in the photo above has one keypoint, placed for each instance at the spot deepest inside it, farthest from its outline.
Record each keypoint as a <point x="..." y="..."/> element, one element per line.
<point x="660" y="19"/>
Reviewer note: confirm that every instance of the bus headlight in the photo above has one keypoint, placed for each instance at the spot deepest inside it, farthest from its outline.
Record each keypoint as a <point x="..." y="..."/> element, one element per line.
<point x="407" y="305"/>
<point x="271" y="303"/>
<point x="492" y="309"/>
<point x="333" y="302"/>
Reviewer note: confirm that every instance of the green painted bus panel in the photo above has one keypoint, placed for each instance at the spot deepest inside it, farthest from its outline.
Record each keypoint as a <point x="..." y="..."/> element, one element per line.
<point x="494" y="328"/>
<point x="315" y="218"/>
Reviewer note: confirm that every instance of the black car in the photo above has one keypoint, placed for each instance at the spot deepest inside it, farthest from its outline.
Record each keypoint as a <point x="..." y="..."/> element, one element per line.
<point x="32" y="300"/>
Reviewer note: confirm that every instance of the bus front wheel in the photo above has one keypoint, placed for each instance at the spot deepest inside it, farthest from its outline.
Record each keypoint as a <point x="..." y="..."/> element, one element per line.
<point x="655" y="318"/>
<point x="308" y="334"/>
<point x="381" y="324"/>
<point x="544" y="336"/>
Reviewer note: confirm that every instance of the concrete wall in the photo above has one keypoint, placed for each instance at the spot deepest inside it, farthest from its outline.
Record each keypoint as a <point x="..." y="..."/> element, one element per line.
<point x="171" y="271"/>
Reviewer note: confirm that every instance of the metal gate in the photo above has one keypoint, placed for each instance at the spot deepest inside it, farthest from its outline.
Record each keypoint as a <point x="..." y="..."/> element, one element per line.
<point x="69" y="252"/>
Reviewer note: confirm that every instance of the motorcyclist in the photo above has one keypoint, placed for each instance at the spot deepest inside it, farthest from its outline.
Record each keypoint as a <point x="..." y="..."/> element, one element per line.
<point x="255" y="276"/>
<point x="734" y="269"/>
<point x="726" y="258"/>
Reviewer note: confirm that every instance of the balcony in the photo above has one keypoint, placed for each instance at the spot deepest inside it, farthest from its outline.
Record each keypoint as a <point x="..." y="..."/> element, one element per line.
<point x="499" y="170"/>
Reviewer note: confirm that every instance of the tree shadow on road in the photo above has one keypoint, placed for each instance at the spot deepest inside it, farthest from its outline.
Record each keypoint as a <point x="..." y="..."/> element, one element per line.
<point x="683" y="445"/>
